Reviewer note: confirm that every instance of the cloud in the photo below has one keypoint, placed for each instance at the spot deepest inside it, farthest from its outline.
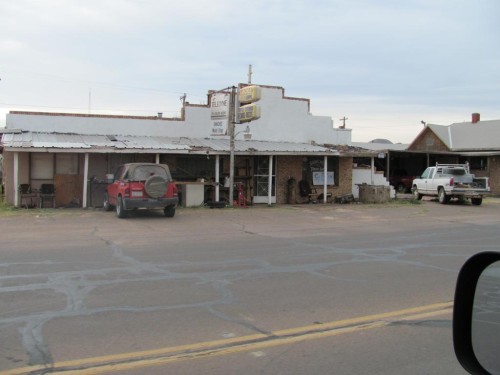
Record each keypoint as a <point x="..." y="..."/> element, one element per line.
<point x="386" y="62"/>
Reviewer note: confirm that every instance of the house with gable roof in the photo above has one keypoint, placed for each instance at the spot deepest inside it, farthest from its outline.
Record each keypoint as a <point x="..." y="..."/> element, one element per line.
<point x="476" y="142"/>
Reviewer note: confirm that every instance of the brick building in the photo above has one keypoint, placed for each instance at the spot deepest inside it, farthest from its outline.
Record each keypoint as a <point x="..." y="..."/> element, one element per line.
<point x="476" y="142"/>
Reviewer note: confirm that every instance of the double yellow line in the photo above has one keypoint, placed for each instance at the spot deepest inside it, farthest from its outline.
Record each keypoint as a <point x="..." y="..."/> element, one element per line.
<point x="128" y="361"/>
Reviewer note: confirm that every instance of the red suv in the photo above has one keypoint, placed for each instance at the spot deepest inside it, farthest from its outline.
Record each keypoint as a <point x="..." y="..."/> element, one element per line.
<point x="141" y="185"/>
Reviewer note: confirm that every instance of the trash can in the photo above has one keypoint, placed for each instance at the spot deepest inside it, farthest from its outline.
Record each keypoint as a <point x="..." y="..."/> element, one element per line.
<point x="374" y="193"/>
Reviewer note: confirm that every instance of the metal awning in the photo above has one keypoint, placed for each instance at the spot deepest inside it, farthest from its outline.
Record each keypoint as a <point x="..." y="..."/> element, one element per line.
<point x="68" y="142"/>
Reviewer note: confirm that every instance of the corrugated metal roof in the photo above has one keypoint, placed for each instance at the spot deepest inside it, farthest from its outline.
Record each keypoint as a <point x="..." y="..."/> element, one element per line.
<point x="381" y="146"/>
<point x="483" y="135"/>
<point x="80" y="141"/>
<point x="103" y="143"/>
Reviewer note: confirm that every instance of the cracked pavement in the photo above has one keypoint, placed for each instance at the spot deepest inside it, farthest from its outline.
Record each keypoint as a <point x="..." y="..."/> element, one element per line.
<point x="81" y="283"/>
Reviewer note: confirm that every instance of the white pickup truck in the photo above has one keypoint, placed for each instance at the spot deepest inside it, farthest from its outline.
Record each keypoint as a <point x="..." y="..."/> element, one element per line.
<point x="447" y="181"/>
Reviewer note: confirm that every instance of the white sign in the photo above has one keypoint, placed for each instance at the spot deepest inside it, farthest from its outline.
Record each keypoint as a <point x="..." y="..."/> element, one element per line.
<point x="319" y="180"/>
<point x="219" y="104"/>
<point x="219" y="127"/>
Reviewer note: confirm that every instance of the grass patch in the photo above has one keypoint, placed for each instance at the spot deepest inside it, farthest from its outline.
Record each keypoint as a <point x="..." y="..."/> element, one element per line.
<point x="7" y="209"/>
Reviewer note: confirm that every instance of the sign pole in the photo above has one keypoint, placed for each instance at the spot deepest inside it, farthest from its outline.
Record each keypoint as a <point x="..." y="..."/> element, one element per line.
<point x="231" y="124"/>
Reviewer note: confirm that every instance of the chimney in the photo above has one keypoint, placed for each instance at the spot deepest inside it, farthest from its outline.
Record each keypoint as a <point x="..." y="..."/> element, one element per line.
<point x="476" y="117"/>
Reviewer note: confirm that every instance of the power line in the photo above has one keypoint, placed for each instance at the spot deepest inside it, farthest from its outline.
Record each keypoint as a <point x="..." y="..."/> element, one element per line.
<point x="54" y="77"/>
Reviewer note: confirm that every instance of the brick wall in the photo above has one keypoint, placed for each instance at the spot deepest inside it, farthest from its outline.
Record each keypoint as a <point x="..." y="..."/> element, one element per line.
<point x="494" y="173"/>
<point x="345" y="177"/>
<point x="291" y="167"/>
<point x="288" y="167"/>
<point x="428" y="141"/>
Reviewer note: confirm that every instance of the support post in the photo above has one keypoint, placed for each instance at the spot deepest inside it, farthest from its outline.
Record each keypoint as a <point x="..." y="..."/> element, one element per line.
<point x="157" y="158"/>
<point x="270" y="182"/>
<point x="85" y="180"/>
<point x="325" y="178"/>
<point x="373" y="171"/>
<point x="217" y="182"/>
<point x="16" y="179"/>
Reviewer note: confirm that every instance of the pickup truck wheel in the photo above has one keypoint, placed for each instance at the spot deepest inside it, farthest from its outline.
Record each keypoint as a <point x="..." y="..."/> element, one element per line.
<point x="442" y="197"/>
<point x="401" y="189"/>
<point x="120" y="210"/>
<point x="476" y="201"/>
<point x="416" y="194"/>
<point x="169" y="211"/>
<point x="106" y="206"/>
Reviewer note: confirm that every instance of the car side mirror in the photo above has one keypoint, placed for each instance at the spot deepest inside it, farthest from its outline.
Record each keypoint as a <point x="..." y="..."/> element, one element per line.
<point x="476" y="314"/>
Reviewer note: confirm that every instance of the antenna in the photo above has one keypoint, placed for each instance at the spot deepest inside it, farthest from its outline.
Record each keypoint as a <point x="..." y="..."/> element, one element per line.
<point x="343" y="119"/>
<point x="90" y="99"/>
<point x="250" y="73"/>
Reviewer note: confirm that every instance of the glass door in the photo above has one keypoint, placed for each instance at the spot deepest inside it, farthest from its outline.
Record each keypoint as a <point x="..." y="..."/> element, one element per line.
<point x="261" y="180"/>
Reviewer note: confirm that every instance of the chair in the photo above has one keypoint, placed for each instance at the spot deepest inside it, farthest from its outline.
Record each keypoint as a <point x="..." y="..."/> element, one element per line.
<point x="28" y="197"/>
<point x="47" y="193"/>
<point x="311" y="194"/>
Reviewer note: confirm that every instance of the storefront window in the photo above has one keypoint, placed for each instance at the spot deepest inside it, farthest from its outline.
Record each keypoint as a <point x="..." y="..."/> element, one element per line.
<point x="313" y="170"/>
<point x="192" y="168"/>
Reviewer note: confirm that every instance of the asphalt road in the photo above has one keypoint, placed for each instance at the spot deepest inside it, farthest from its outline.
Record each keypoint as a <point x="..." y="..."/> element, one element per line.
<point x="311" y="289"/>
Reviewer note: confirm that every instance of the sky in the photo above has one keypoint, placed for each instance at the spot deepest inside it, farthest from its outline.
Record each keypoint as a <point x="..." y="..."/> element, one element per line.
<point x="385" y="65"/>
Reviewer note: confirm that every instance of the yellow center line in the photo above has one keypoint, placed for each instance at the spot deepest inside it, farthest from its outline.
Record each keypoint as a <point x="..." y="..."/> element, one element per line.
<point x="127" y="361"/>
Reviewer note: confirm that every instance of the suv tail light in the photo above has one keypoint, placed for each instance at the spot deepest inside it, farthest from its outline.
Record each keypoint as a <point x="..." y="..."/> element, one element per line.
<point x="452" y="181"/>
<point x="172" y="190"/>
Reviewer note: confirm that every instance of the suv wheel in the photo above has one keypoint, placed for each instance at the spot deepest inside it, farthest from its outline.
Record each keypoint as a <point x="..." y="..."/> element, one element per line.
<point x="120" y="210"/>
<point x="106" y="206"/>
<point x="169" y="211"/>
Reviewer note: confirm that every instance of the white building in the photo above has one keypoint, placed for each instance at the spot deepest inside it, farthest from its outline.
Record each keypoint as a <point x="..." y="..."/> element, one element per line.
<point x="70" y="150"/>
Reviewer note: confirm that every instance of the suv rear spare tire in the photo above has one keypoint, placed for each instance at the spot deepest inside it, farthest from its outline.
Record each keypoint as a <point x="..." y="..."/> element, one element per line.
<point x="155" y="186"/>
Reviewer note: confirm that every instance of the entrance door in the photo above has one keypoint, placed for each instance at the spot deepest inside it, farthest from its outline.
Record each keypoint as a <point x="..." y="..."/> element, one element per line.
<point x="261" y="180"/>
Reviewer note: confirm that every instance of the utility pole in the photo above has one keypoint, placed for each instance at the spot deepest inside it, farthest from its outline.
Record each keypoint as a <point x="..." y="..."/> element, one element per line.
<point x="231" y="125"/>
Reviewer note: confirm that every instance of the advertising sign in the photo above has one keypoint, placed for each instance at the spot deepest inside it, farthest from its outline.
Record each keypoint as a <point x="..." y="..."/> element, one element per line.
<point x="219" y="127"/>
<point x="219" y="105"/>
<point x="319" y="180"/>
<point x="249" y="94"/>
<point x="219" y="112"/>
<point x="249" y="112"/>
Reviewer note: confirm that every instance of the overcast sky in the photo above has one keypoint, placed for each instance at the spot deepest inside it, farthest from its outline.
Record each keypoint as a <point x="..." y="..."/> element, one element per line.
<point x="386" y="64"/>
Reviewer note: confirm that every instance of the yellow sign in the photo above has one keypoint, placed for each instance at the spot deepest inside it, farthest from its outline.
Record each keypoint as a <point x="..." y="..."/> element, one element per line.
<point x="249" y="94"/>
<point x="249" y="112"/>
